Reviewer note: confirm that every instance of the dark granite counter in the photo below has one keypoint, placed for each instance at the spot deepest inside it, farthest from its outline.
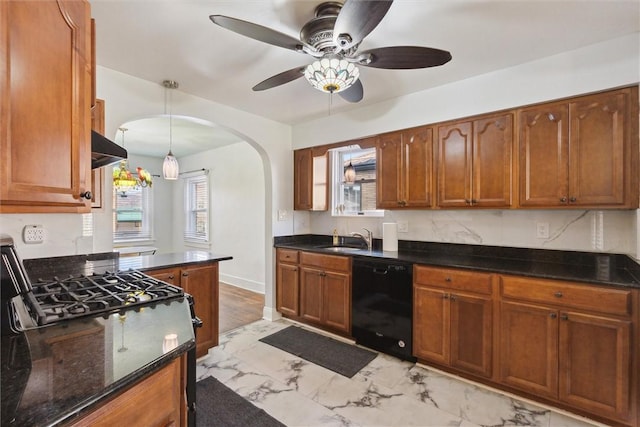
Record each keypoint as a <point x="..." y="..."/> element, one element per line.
<point x="587" y="267"/>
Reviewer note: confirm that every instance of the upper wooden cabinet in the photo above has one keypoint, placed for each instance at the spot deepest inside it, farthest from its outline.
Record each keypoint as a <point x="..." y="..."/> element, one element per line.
<point x="475" y="162"/>
<point x="404" y="169"/>
<point x="45" y="122"/>
<point x="581" y="152"/>
<point x="310" y="176"/>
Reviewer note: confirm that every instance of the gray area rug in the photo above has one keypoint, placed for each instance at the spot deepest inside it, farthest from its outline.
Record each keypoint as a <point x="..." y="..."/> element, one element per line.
<point x="340" y="357"/>
<point x="217" y="405"/>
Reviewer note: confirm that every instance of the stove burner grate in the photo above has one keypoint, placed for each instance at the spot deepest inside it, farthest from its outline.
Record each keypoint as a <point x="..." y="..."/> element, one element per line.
<point x="61" y="299"/>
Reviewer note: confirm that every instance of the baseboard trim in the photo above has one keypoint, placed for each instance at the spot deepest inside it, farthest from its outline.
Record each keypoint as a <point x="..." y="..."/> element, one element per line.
<point x="271" y="314"/>
<point x="239" y="282"/>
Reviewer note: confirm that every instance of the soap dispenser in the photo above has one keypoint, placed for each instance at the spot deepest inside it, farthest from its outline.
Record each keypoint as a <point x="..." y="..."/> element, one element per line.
<point x="335" y="237"/>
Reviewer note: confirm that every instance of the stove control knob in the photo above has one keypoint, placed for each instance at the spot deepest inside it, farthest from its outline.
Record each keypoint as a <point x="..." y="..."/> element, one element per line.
<point x="401" y="344"/>
<point x="86" y="195"/>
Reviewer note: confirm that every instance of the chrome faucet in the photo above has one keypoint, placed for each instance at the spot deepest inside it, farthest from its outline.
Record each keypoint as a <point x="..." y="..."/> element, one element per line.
<point x="368" y="239"/>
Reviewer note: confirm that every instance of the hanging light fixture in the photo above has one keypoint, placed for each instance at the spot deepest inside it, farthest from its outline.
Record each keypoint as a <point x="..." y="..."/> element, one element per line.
<point x="331" y="74"/>
<point x="124" y="180"/>
<point x="170" y="167"/>
<point x="350" y="173"/>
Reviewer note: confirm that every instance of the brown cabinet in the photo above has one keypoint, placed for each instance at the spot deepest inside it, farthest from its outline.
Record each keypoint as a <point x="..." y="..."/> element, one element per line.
<point x="580" y="152"/>
<point x="568" y="342"/>
<point x="404" y="169"/>
<point x="325" y="291"/>
<point x="287" y="282"/>
<point x="45" y="152"/>
<point x="157" y="400"/>
<point x="453" y="319"/>
<point x="475" y="162"/>
<point x="200" y="281"/>
<point x="310" y="180"/>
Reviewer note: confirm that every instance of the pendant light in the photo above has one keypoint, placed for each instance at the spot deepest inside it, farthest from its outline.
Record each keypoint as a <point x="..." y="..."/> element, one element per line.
<point x="123" y="179"/>
<point x="170" y="168"/>
<point x="350" y="172"/>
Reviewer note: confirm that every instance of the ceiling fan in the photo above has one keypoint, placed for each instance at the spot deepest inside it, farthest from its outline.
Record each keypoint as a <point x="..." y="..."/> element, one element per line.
<point x="332" y="37"/>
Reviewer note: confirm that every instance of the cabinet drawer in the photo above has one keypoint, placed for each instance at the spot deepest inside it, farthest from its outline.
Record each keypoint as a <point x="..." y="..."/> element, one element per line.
<point x="287" y="255"/>
<point x="326" y="262"/>
<point x="453" y="279"/>
<point x="569" y="295"/>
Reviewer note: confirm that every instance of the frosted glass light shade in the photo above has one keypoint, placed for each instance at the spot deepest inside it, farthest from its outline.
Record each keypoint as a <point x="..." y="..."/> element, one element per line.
<point x="170" y="168"/>
<point x="350" y="174"/>
<point x="331" y="75"/>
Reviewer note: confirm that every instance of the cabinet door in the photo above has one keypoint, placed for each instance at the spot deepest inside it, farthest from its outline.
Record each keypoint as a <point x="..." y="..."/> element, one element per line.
<point x="454" y="164"/>
<point x="302" y="179"/>
<point x="528" y="355"/>
<point x="388" y="171"/>
<point x="337" y="301"/>
<point x="311" y="294"/>
<point x="492" y="157"/>
<point x="287" y="289"/>
<point x="544" y="155"/>
<point x="595" y="363"/>
<point x="417" y="160"/>
<point x="202" y="283"/>
<point x="471" y="336"/>
<point x="431" y="324"/>
<point x="599" y="129"/>
<point x="45" y="133"/>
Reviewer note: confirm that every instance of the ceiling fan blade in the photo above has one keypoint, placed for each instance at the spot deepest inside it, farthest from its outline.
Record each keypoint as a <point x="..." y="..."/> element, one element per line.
<point x="353" y="93"/>
<point x="406" y="57"/>
<point x="258" y="32"/>
<point x="357" y="19"/>
<point x="280" y="79"/>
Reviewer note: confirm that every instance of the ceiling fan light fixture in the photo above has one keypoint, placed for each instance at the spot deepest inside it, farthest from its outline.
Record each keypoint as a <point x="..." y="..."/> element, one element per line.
<point x="331" y="75"/>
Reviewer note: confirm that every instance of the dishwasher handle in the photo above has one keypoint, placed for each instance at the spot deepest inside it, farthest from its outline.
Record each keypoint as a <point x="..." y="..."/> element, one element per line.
<point x="377" y="270"/>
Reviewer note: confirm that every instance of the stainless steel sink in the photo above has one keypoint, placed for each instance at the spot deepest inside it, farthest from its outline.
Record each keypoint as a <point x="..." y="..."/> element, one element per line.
<point x="342" y="249"/>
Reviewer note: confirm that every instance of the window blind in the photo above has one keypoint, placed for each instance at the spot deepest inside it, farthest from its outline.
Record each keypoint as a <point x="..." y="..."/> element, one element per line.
<point x="197" y="208"/>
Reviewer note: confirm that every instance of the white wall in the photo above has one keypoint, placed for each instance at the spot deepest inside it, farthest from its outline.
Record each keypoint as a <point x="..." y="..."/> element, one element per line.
<point x="237" y="223"/>
<point x="605" y="65"/>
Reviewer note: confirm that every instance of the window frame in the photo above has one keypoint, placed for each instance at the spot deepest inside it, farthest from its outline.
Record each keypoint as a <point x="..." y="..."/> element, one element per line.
<point x="190" y="234"/>
<point x="338" y="184"/>
<point x="146" y="232"/>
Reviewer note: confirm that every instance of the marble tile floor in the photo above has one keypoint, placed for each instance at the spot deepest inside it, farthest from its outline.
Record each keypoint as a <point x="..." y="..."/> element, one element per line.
<point x="387" y="392"/>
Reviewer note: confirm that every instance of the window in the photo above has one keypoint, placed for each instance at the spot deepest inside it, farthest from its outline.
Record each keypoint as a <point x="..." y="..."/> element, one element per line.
<point x="196" y="201"/>
<point x="359" y="197"/>
<point x="132" y="215"/>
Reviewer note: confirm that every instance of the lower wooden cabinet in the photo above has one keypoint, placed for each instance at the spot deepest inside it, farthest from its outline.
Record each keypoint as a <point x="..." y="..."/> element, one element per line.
<point x="452" y="323"/>
<point x="568" y="342"/>
<point x="314" y="288"/>
<point x="157" y="400"/>
<point x="201" y="282"/>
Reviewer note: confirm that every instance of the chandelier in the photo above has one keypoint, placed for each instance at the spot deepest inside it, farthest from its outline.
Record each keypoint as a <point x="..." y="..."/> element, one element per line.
<point x="331" y="74"/>
<point x="124" y="180"/>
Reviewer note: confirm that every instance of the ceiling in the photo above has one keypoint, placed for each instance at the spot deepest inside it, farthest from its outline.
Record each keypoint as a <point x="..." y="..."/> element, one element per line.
<point x="174" y="39"/>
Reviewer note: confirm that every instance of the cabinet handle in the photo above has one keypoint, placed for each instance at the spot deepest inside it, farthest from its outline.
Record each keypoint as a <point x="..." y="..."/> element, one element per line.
<point x="474" y="201"/>
<point x="467" y="201"/>
<point x="170" y="277"/>
<point x="453" y="297"/>
<point x="447" y="279"/>
<point x="86" y="195"/>
<point x="558" y="294"/>
<point x="553" y="315"/>
<point x="572" y="199"/>
<point x="564" y="317"/>
<point x="185" y="274"/>
<point x="563" y="199"/>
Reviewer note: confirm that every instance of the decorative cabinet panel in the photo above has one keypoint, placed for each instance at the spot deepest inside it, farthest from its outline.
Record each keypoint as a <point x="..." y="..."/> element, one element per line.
<point x="568" y="342"/>
<point x="579" y="153"/>
<point x="452" y="322"/>
<point x="201" y="282"/>
<point x="404" y="169"/>
<point x="45" y="152"/>
<point x="475" y="162"/>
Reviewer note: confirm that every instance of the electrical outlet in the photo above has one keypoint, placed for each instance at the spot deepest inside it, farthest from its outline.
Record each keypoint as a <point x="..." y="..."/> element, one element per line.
<point x="542" y="230"/>
<point x="403" y="226"/>
<point x="33" y="234"/>
<point x="282" y="215"/>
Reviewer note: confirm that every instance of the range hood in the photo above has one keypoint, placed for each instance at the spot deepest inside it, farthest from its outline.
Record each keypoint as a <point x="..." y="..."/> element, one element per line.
<point x="105" y="152"/>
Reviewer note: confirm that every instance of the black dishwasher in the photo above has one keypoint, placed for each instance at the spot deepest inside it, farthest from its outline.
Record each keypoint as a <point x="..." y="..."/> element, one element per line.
<point x="382" y="305"/>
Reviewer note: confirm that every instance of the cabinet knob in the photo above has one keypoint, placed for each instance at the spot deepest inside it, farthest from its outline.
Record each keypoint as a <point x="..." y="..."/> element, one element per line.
<point x="563" y="199"/>
<point x="558" y="294"/>
<point x="564" y="317"/>
<point x="453" y="297"/>
<point x="474" y="201"/>
<point x="445" y="296"/>
<point x="572" y="199"/>
<point x="171" y="277"/>
<point x="553" y="315"/>
<point x="86" y="195"/>
<point x="467" y="201"/>
<point x="185" y="274"/>
<point x="447" y="279"/>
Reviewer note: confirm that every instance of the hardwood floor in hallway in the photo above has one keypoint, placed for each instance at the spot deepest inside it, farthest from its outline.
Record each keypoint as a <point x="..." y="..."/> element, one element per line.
<point x="238" y="307"/>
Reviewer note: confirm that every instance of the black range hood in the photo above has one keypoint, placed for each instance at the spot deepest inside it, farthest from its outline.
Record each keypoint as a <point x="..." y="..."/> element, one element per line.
<point x="105" y="152"/>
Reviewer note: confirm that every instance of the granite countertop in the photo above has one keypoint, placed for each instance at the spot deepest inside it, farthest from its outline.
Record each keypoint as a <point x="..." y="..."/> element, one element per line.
<point x="54" y="373"/>
<point x="588" y="267"/>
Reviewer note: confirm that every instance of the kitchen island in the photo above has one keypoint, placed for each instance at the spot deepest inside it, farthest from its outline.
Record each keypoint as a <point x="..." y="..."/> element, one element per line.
<point x="130" y="362"/>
